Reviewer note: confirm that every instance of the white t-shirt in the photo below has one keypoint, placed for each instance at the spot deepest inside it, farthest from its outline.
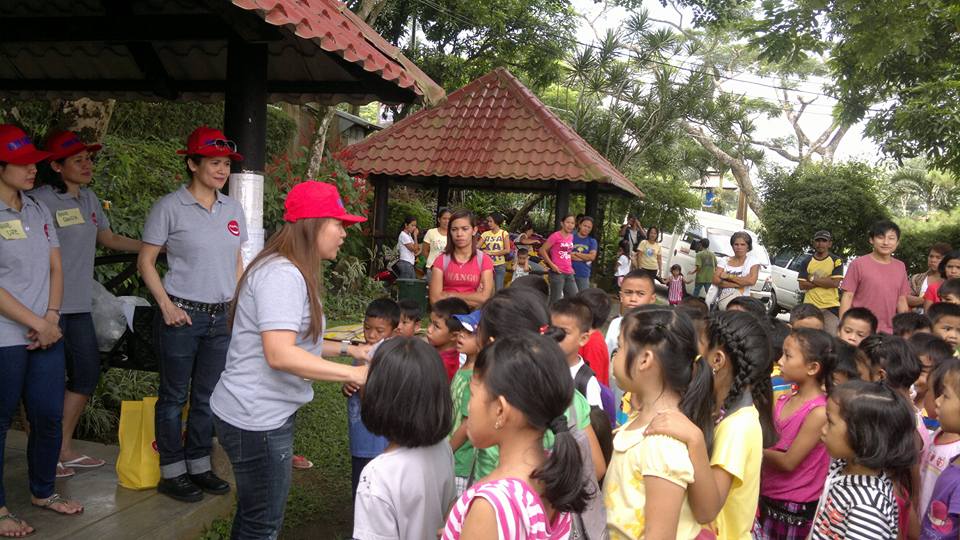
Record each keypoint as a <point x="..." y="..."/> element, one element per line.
<point x="437" y="243"/>
<point x="405" y="493"/>
<point x="593" y="386"/>
<point x="613" y="335"/>
<point x="404" y="252"/>
<point x="623" y="266"/>
<point x="748" y="262"/>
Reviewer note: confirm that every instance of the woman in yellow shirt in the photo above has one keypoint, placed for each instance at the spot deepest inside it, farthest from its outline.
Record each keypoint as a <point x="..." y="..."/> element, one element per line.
<point x="648" y="256"/>
<point x="645" y="490"/>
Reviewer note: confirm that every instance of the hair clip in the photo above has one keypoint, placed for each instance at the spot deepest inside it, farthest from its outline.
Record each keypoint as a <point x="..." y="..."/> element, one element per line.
<point x="544" y="328"/>
<point x="696" y="358"/>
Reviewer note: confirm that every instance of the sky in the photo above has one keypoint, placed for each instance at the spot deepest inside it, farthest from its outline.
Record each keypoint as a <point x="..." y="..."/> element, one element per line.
<point x="814" y="120"/>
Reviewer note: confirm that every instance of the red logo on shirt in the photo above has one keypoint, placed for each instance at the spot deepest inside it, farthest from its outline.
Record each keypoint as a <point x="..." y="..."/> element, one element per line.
<point x="234" y="227"/>
<point x="93" y="217"/>
<point x="46" y="230"/>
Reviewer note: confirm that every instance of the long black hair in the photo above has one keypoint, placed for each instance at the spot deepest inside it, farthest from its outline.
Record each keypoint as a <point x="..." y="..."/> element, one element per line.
<point x="673" y="338"/>
<point x="748" y="349"/>
<point x="878" y="417"/>
<point x="529" y="372"/>
<point x="817" y="346"/>
<point x="511" y="310"/>
<point x="894" y="356"/>
<point x="451" y="247"/>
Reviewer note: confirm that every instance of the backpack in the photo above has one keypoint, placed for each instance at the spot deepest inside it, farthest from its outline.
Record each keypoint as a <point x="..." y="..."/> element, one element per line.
<point x="580" y="382"/>
<point x="477" y="257"/>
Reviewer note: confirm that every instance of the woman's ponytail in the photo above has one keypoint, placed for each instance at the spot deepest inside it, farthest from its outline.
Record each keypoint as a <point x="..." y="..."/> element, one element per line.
<point x="697" y="402"/>
<point x="562" y="473"/>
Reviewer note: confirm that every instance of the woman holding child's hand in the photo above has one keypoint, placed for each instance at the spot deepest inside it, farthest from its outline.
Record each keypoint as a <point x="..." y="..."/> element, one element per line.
<point x="276" y="351"/>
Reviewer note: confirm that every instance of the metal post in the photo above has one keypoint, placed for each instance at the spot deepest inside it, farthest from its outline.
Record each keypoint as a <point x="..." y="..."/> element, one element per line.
<point x="245" y="121"/>
<point x="562" y="205"/>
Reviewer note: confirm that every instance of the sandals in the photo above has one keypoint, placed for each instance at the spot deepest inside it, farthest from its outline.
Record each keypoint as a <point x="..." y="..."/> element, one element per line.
<point x="301" y="462"/>
<point x="56" y="498"/>
<point x="84" y="462"/>
<point x="21" y="532"/>
<point x="64" y="472"/>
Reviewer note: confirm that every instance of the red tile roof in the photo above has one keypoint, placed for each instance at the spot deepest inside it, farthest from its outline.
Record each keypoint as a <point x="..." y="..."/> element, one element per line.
<point x="336" y="29"/>
<point x="492" y="128"/>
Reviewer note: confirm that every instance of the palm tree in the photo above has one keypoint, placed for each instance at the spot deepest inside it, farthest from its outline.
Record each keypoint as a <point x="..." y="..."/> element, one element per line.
<point x="916" y="187"/>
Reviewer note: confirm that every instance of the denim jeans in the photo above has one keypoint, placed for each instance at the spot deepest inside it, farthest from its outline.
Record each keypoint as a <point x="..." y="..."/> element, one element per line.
<point x="562" y="286"/>
<point x="192" y="358"/>
<point x="405" y="270"/>
<point x="582" y="282"/>
<point x="499" y="272"/>
<point x="261" y="463"/>
<point x="700" y="287"/>
<point x="81" y="352"/>
<point x="36" y="377"/>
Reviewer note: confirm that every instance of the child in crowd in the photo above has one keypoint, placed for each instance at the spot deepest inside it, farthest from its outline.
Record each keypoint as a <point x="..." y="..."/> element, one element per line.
<point x="856" y="324"/>
<point x="930" y="351"/>
<point x="380" y="322"/>
<point x="521" y="266"/>
<point x="795" y="468"/>
<point x="697" y="303"/>
<point x="864" y="436"/>
<point x="945" y="322"/>
<point x="623" y="263"/>
<point x="519" y="391"/>
<point x="410" y="315"/>
<point x="405" y="492"/>
<point x="738" y="354"/>
<point x="851" y="363"/>
<point x="595" y="352"/>
<point x="636" y="289"/>
<point x="949" y="269"/>
<point x="534" y="282"/>
<point x="676" y="285"/>
<point x="573" y="317"/>
<point x="949" y="291"/>
<point x="907" y="324"/>
<point x="441" y="336"/>
<point x="657" y="362"/>
<point x="944" y="446"/>
<point x="806" y="316"/>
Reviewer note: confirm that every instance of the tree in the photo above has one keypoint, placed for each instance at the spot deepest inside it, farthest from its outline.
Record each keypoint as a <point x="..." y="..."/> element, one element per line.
<point x="841" y="198"/>
<point x="916" y="188"/>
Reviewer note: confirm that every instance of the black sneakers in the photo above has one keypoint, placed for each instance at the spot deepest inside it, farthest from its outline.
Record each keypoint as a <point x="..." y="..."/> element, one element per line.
<point x="180" y="488"/>
<point x="210" y="483"/>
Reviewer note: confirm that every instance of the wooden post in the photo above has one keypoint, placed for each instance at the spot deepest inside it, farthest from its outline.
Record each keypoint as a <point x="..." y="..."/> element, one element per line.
<point x="381" y="198"/>
<point x="562" y="203"/>
<point x="593" y="204"/>
<point x="245" y="103"/>
<point x="443" y="194"/>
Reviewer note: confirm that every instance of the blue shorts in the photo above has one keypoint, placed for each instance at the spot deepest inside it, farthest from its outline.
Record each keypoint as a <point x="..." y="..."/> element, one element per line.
<point x="82" y="354"/>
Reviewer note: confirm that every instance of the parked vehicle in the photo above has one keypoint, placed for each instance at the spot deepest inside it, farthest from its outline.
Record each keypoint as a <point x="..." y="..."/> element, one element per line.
<point x="718" y="229"/>
<point x="785" y="293"/>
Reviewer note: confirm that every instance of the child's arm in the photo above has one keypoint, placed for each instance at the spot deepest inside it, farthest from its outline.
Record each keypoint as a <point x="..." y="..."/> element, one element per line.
<point x="662" y="507"/>
<point x="373" y="517"/>
<point x="807" y="439"/>
<point x="480" y="523"/>
<point x="459" y="436"/>
<point x="596" y="453"/>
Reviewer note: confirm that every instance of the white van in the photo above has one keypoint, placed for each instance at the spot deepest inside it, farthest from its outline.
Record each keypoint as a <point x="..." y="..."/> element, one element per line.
<point x="718" y="229"/>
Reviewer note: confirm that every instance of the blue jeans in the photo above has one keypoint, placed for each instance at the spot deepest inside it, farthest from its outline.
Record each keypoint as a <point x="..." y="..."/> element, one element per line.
<point x="37" y="377"/>
<point x="697" y="287"/>
<point x="261" y="463"/>
<point x="81" y="351"/>
<point x="192" y="358"/>
<point x="562" y="286"/>
<point x="582" y="282"/>
<point x="405" y="270"/>
<point x="499" y="272"/>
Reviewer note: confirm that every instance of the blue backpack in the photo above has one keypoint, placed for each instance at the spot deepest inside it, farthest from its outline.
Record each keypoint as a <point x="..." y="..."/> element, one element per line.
<point x="607" y="400"/>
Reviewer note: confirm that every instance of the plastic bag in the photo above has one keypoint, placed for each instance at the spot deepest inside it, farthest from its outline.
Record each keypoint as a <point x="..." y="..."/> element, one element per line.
<point x="108" y="318"/>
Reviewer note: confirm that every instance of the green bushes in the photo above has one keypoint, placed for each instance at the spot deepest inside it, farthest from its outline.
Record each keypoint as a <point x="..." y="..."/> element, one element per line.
<point x="918" y="235"/>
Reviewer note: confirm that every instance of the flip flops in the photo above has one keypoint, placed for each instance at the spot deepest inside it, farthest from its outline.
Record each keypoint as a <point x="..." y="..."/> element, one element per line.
<point x="84" y="462"/>
<point x="301" y="462"/>
<point x="64" y="472"/>
<point x="56" y="498"/>
<point x="19" y="533"/>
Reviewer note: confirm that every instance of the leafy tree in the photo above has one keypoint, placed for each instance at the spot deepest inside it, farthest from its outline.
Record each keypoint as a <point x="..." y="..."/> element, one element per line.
<point x="915" y="188"/>
<point x="840" y="198"/>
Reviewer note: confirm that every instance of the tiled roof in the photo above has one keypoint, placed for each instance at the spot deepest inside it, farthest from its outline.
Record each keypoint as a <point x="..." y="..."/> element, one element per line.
<point x="338" y="30"/>
<point x="492" y="128"/>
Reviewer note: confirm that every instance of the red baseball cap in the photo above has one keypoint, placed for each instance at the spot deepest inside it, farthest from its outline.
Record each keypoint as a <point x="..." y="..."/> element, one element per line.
<point x="312" y="199"/>
<point x="16" y="147"/>
<point x="208" y="142"/>
<point x="63" y="144"/>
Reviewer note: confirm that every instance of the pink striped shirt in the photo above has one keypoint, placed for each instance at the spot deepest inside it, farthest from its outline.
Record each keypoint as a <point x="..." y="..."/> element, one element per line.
<point x="520" y="514"/>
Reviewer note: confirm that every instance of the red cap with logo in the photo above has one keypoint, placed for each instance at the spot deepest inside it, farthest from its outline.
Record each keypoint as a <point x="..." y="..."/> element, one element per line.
<point x="312" y="199"/>
<point x="16" y="147"/>
<point x="208" y="142"/>
<point x="64" y="144"/>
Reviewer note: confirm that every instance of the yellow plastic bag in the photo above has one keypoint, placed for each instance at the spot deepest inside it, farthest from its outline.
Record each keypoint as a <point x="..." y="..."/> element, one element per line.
<point x="138" y="465"/>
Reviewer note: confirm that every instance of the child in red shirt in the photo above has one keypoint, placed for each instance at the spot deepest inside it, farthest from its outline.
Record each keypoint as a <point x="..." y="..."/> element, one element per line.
<point x="595" y="352"/>
<point x="441" y="337"/>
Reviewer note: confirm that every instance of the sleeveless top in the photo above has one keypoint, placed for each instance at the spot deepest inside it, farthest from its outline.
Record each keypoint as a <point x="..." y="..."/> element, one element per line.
<point x="805" y="483"/>
<point x="519" y="511"/>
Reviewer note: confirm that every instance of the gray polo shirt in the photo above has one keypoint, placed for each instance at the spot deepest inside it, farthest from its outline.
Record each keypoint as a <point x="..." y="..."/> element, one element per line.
<point x="77" y="220"/>
<point x="26" y="238"/>
<point x="251" y="395"/>
<point x="202" y="245"/>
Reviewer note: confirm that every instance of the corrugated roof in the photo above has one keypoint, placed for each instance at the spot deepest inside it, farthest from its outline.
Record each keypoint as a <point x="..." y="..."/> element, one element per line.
<point x="492" y="128"/>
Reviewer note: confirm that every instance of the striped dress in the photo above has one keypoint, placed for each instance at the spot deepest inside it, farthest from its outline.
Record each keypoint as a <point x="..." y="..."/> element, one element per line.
<point x="520" y="514"/>
<point x="855" y="507"/>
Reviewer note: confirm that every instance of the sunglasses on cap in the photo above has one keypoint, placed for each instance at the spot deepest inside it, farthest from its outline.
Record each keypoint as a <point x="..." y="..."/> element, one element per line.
<point x="221" y="144"/>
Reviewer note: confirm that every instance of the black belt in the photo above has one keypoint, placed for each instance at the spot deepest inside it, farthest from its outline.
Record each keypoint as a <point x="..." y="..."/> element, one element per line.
<point x="775" y="509"/>
<point x="199" y="306"/>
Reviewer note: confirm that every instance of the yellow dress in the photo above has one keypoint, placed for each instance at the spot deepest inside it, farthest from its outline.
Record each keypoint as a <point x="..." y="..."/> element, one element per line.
<point x="738" y="450"/>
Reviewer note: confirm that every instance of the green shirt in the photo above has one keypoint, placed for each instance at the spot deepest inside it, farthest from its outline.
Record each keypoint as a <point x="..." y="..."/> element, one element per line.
<point x="460" y="392"/>
<point x="486" y="465"/>
<point x="707" y="262"/>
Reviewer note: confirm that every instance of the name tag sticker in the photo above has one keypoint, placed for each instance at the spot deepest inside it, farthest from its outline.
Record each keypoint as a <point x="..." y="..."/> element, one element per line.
<point x="12" y="230"/>
<point x="71" y="216"/>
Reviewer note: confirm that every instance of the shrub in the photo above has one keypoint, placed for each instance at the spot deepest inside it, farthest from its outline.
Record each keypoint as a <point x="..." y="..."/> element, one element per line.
<point x="918" y="235"/>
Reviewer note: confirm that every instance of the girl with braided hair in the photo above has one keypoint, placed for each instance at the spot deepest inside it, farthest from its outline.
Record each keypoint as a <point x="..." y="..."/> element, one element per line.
<point x="739" y="355"/>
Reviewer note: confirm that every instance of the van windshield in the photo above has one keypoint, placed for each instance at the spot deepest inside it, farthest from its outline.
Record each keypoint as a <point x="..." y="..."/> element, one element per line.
<point x="720" y="244"/>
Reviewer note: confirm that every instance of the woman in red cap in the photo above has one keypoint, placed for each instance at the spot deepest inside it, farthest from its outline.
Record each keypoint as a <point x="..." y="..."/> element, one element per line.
<point x="276" y="352"/>
<point x="31" y="351"/>
<point x="202" y="230"/>
<point x="81" y="224"/>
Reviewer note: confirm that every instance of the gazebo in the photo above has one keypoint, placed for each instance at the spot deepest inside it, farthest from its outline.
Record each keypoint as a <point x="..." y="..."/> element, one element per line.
<point x="492" y="134"/>
<point x="245" y="52"/>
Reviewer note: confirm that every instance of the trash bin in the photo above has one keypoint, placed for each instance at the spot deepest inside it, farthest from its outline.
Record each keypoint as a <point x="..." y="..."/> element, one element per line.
<point x="413" y="289"/>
